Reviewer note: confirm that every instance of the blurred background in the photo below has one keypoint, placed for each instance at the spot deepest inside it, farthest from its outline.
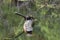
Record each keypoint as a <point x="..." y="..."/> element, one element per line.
<point x="47" y="12"/>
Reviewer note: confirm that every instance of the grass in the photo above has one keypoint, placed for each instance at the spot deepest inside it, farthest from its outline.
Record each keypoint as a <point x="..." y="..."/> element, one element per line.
<point x="46" y="28"/>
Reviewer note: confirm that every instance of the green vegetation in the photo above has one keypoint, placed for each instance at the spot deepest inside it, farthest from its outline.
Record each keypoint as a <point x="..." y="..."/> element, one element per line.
<point x="46" y="28"/>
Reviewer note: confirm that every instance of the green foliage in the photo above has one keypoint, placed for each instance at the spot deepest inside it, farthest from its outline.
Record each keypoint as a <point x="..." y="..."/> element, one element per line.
<point x="46" y="28"/>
